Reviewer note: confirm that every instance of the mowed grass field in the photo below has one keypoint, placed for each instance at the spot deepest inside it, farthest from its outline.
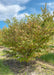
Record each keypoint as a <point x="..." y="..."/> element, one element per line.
<point x="49" y="58"/>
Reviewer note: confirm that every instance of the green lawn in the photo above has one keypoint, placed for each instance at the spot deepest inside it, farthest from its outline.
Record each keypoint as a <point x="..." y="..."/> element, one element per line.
<point x="48" y="58"/>
<point x="4" y="70"/>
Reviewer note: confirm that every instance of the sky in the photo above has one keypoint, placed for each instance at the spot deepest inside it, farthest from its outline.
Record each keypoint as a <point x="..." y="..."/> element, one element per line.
<point x="18" y="8"/>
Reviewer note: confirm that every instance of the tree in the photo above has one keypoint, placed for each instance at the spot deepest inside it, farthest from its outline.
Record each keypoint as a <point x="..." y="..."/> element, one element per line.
<point x="28" y="37"/>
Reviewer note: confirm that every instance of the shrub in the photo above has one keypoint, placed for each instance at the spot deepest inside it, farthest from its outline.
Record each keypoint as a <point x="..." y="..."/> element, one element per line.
<point x="0" y="37"/>
<point x="28" y="37"/>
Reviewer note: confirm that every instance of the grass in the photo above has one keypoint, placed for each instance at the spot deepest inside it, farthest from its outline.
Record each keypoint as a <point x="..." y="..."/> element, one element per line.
<point x="51" y="46"/>
<point x="4" y="70"/>
<point x="48" y="58"/>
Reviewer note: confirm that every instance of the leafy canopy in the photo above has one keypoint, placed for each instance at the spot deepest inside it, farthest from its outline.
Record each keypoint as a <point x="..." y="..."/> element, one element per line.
<point x="28" y="37"/>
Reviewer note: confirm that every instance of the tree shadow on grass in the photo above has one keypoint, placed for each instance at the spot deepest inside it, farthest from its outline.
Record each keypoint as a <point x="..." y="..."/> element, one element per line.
<point x="18" y="67"/>
<point x="4" y="70"/>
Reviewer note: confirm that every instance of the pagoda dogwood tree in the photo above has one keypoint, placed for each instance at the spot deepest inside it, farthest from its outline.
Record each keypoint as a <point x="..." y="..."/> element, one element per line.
<point x="28" y="37"/>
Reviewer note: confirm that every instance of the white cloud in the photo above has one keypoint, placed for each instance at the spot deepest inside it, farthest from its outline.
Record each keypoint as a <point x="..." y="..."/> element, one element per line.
<point x="21" y="15"/>
<point x="11" y="8"/>
<point x="50" y="6"/>
<point x="10" y="2"/>
<point x="41" y="4"/>
<point x="11" y="11"/>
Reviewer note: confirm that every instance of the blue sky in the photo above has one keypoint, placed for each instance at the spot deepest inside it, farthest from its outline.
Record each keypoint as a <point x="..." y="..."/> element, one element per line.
<point x="17" y="8"/>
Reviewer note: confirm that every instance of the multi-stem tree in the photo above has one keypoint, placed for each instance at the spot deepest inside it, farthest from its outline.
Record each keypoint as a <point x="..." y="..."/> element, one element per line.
<point x="28" y="37"/>
<point x="0" y="37"/>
